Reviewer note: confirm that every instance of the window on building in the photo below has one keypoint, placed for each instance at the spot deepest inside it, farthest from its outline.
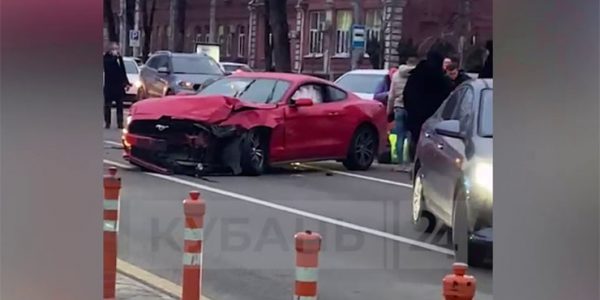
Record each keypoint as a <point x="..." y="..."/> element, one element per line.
<point x="315" y="38"/>
<point x="207" y="34"/>
<point x="229" y="43"/>
<point x="344" y="24"/>
<point x="241" y="51"/>
<point x="221" y="38"/>
<point x="373" y="22"/>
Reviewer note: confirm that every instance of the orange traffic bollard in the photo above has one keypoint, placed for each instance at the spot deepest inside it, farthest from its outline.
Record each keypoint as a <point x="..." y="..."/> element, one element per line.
<point x="112" y="188"/>
<point x="194" y="209"/>
<point x="308" y="245"/>
<point x="458" y="285"/>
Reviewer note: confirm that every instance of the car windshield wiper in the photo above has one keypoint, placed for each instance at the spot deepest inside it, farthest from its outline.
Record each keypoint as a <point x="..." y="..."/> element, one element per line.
<point x="239" y="94"/>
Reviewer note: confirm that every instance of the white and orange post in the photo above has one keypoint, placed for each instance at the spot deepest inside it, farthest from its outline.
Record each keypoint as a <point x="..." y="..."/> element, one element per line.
<point x="308" y="245"/>
<point x="112" y="189"/>
<point x="194" y="209"/>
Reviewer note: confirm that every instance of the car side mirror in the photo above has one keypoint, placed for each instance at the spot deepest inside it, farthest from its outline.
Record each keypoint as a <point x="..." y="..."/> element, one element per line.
<point x="302" y="102"/>
<point x="449" y="128"/>
<point x="163" y="70"/>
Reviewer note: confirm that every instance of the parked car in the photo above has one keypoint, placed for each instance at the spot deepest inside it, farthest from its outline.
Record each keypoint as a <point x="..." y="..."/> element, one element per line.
<point x="133" y="75"/>
<point x="362" y="82"/>
<point x="168" y="73"/>
<point x="231" y="67"/>
<point x="454" y="167"/>
<point x="138" y="61"/>
<point x="247" y="121"/>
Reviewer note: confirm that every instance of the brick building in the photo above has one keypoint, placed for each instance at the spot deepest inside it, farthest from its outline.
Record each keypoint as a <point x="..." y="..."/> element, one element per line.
<point x="320" y="30"/>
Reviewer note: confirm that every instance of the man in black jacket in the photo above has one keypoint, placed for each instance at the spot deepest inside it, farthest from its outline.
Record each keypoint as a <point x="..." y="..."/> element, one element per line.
<point x="115" y="84"/>
<point x="457" y="75"/>
<point x="426" y="89"/>
<point x="488" y="66"/>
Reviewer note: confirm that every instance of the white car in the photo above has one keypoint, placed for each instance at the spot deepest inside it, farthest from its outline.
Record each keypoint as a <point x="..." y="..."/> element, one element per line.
<point x="133" y="75"/>
<point x="362" y="82"/>
<point x="230" y="67"/>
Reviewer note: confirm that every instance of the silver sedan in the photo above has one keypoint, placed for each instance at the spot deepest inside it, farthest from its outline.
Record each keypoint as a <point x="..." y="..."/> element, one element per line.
<point x="453" y="177"/>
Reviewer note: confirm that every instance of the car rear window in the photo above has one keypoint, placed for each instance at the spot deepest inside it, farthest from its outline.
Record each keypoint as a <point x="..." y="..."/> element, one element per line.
<point x="195" y="65"/>
<point x="361" y="83"/>
<point x="486" y="114"/>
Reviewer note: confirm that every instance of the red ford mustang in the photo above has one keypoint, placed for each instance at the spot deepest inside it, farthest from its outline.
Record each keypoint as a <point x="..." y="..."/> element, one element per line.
<point x="245" y="122"/>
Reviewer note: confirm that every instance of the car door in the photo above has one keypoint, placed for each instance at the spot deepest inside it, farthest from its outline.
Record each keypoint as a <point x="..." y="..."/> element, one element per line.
<point x="148" y="74"/>
<point x="433" y="160"/>
<point x="451" y="151"/>
<point x="154" y="81"/>
<point x="309" y="130"/>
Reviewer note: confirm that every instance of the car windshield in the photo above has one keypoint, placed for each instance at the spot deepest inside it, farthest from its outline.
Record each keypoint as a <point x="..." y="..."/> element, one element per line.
<point x="248" y="89"/>
<point x="195" y="65"/>
<point x="486" y="113"/>
<point x="130" y="67"/>
<point x="361" y="83"/>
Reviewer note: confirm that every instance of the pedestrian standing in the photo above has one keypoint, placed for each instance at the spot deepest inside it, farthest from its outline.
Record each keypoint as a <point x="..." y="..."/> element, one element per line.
<point x="488" y="67"/>
<point x="397" y="112"/>
<point x="115" y="84"/>
<point x="426" y="89"/>
<point x="456" y="74"/>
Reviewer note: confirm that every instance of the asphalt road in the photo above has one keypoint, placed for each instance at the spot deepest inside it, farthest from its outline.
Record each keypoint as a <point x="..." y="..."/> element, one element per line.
<point x="371" y="249"/>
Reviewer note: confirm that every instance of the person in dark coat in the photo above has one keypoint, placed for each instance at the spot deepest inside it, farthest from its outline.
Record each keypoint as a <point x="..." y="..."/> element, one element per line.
<point x="456" y="74"/>
<point x="426" y="89"/>
<point x="115" y="84"/>
<point x="488" y="67"/>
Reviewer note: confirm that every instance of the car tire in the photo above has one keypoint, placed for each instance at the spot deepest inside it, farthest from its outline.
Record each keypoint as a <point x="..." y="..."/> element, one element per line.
<point x="474" y="258"/>
<point x="254" y="154"/>
<point x="419" y="211"/>
<point x="362" y="151"/>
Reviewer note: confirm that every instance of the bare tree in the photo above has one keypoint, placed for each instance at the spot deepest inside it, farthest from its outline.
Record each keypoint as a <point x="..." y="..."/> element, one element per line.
<point x="267" y="38"/>
<point x="178" y="24"/>
<point x="147" y="25"/>
<point x="129" y="22"/>
<point x="280" y="29"/>
<point x="109" y="22"/>
<point x="213" y="21"/>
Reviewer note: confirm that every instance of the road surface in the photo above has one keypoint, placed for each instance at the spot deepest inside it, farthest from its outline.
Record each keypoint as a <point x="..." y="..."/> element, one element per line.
<point x="371" y="249"/>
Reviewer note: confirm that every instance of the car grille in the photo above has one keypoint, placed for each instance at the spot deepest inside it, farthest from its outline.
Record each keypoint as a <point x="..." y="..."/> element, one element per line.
<point x="165" y="127"/>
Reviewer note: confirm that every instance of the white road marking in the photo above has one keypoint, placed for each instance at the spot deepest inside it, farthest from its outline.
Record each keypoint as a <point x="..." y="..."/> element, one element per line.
<point x="298" y="212"/>
<point x="374" y="179"/>
<point x="308" y="166"/>
<point x="113" y="143"/>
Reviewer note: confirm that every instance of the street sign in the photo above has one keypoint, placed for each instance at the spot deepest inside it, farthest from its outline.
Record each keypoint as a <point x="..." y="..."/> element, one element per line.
<point x="134" y="38"/>
<point x="358" y="36"/>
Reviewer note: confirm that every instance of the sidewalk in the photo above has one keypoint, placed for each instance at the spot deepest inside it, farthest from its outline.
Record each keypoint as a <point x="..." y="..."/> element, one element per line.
<point x="130" y="289"/>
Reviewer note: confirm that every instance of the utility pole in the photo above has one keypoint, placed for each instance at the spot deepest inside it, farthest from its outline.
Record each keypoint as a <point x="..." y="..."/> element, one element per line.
<point x="357" y="53"/>
<point x="213" y="21"/>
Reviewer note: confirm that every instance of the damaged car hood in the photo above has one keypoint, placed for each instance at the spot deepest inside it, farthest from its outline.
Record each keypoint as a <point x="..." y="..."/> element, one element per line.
<point x="208" y="109"/>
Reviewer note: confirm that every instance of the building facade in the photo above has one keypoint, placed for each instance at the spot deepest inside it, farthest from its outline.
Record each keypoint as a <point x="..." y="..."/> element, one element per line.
<point x="320" y="30"/>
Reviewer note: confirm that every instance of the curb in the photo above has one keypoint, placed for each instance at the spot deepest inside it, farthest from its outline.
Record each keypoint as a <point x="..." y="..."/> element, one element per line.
<point x="153" y="281"/>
